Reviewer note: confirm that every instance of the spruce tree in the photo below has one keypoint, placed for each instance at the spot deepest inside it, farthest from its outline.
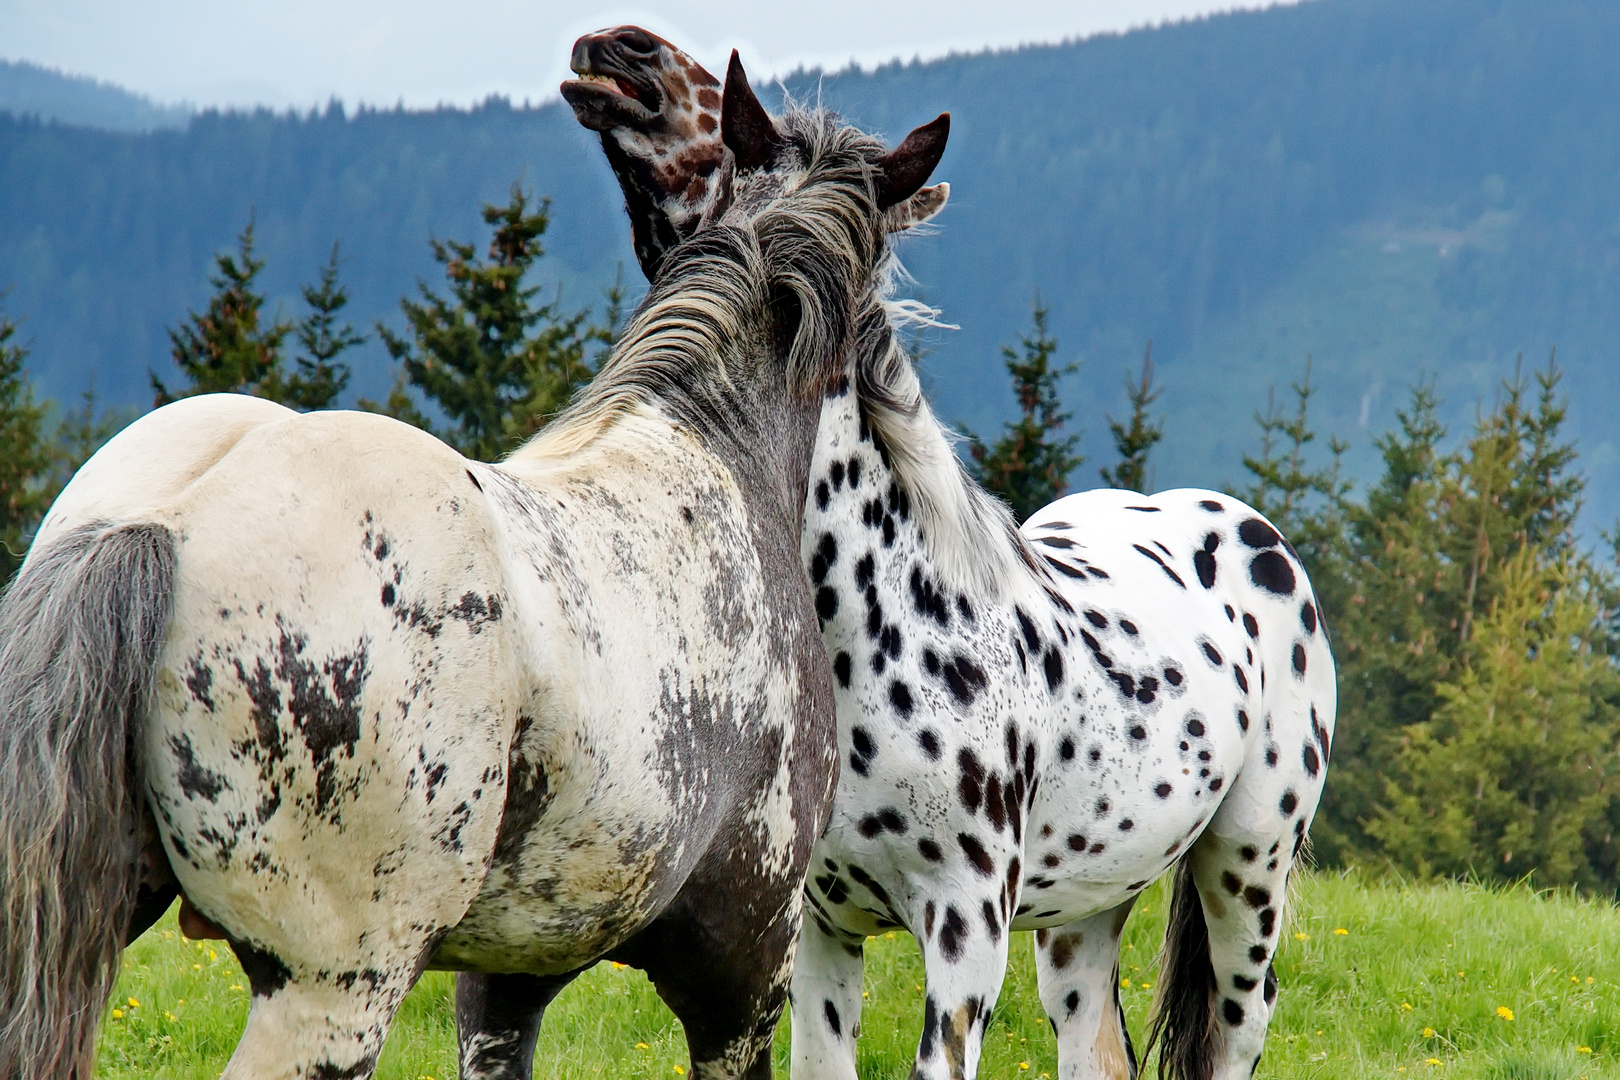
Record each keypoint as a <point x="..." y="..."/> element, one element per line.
<point x="1029" y="466"/>
<point x="1302" y="501"/>
<point x="490" y="358"/>
<point x="1435" y="552"/>
<point x="1133" y="440"/>
<point x="1516" y="771"/>
<point x="24" y="455"/>
<point x="320" y="376"/>
<point x="224" y="348"/>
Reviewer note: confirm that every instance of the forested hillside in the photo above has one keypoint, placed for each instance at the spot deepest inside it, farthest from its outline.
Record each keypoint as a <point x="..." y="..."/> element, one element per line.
<point x="1392" y="187"/>
<point x="30" y="90"/>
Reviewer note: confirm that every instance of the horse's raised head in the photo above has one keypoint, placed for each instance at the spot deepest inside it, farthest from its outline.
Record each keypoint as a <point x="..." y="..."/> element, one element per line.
<point x="658" y="112"/>
<point x="674" y="138"/>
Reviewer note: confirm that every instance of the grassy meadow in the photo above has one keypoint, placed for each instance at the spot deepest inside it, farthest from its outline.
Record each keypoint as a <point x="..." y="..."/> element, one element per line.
<point x="1378" y="980"/>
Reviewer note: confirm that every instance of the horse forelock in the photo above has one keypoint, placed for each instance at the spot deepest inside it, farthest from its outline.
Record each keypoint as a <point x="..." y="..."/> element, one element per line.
<point x="812" y="230"/>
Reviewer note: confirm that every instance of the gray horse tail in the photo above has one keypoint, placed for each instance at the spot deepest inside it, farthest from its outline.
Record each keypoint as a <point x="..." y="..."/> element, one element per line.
<point x="1183" y="1024"/>
<point x="80" y="630"/>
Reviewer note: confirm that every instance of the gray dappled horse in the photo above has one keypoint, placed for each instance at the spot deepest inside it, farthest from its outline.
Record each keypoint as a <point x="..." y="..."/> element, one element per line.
<point x="1033" y="725"/>
<point x="371" y="707"/>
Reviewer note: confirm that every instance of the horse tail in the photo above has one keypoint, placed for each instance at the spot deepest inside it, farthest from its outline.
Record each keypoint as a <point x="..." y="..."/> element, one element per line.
<point x="1183" y="1024"/>
<point x="80" y="631"/>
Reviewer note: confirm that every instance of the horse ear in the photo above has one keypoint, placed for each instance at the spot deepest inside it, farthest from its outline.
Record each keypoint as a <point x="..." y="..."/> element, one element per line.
<point x="906" y="168"/>
<point x="912" y="212"/>
<point x="745" y="126"/>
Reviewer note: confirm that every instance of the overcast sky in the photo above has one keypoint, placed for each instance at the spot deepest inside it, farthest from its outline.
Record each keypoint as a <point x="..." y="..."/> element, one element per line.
<point x="423" y="52"/>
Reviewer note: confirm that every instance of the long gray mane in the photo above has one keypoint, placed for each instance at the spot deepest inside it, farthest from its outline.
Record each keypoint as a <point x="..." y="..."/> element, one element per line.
<point x="804" y="240"/>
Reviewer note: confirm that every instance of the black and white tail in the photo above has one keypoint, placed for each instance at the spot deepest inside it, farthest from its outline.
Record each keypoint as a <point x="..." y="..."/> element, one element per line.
<point x="80" y="630"/>
<point x="1184" y="1012"/>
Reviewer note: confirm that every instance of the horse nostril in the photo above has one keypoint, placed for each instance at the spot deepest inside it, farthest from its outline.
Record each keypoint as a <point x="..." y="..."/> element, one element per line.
<point x="636" y="40"/>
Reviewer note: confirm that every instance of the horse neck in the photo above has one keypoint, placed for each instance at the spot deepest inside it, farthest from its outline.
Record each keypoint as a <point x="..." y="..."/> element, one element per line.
<point x="904" y="524"/>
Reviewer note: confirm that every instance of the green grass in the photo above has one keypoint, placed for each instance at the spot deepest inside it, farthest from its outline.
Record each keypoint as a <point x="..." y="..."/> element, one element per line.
<point x="1354" y="1004"/>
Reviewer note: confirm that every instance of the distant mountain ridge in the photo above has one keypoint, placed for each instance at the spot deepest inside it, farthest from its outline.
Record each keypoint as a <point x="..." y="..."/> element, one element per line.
<point x="1399" y="190"/>
<point x="28" y="89"/>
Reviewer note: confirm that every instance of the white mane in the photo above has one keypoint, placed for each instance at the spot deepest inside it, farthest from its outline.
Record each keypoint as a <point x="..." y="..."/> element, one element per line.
<point x="970" y="534"/>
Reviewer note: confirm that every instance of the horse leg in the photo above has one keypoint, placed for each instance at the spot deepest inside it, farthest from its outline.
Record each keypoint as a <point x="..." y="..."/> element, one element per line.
<point x="325" y="1025"/>
<point x="965" y="955"/>
<point x="826" y="1003"/>
<point x="498" y="1019"/>
<point x="1078" y="968"/>
<point x="1242" y="881"/>
<point x="725" y="983"/>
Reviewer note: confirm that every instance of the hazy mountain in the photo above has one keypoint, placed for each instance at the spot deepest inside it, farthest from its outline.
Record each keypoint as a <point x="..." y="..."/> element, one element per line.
<point x="1400" y="189"/>
<point x="30" y="90"/>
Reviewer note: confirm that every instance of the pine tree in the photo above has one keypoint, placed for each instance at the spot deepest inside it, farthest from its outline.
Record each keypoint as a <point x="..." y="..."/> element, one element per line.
<point x="1516" y="772"/>
<point x="224" y="349"/>
<point x="321" y="377"/>
<point x="1029" y="466"/>
<point x="494" y="362"/>
<point x="1133" y="440"/>
<point x="1427" y="558"/>
<point x="24" y="455"/>
<point x="1304" y="503"/>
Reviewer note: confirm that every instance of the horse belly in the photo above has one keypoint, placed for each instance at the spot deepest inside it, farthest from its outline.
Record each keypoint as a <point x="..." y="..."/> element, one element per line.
<point x="585" y="858"/>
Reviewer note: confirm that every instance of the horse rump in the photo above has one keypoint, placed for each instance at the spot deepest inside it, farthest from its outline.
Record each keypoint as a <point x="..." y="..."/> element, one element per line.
<point x="80" y="631"/>
<point x="1184" y="1009"/>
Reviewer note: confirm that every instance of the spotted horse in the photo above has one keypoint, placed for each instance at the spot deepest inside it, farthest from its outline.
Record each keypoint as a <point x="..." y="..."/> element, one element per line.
<point x="372" y="707"/>
<point x="1033" y="725"/>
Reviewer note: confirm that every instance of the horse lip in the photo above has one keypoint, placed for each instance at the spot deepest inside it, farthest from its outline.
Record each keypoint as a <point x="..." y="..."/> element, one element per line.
<point x="601" y="107"/>
<point x="609" y="76"/>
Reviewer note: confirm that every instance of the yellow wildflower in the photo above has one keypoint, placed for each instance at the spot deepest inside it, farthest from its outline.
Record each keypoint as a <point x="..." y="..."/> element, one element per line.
<point x="1590" y="980"/>
<point x="1583" y="1049"/>
<point x="1431" y="1061"/>
<point x="169" y="1016"/>
<point x="641" y="1046"/>
<point x="1023" y="1064"/>
<point x="1504" y="1012"/>
<point x="118" y="1014"/>
<point x="679" y="1071"/>
<point x="618" y="966"/>
<point x="134" y="1004"/>
<point x="1340" y="931"/>
<point x="1146" y="985"/>
<point x="196" y="967"/>
<point x="1125" y="982"/>
<point x="1428" y="1033"/>
<point x="1302" y="936"/>
<point x="1406" y="1005"/>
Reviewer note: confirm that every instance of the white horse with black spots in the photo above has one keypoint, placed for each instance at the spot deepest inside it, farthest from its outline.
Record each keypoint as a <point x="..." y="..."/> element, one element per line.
<point x="371" y="707"/>
<point x="1034" y="725"/>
